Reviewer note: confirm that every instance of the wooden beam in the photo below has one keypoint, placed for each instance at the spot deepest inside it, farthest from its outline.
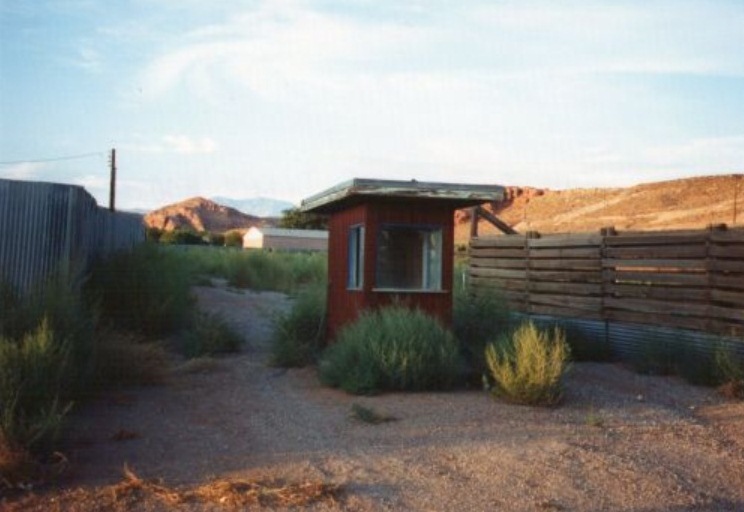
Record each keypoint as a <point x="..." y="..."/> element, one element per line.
<point x="500" y="224"/>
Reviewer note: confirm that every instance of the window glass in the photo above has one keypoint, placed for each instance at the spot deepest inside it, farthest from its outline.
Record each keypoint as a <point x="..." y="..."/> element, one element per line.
<point x="409" y="258"/>
<point x="356" y="258"/>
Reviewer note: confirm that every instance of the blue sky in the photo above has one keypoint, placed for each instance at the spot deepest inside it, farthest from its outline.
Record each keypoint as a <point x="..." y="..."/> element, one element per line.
<point x="285" y="98"/>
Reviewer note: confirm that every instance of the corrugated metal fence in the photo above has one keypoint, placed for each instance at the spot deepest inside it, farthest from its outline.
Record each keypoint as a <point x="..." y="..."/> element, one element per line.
<point x="49" y="227"/>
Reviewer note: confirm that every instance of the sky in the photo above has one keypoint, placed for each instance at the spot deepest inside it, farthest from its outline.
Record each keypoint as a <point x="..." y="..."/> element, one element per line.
<point x="283" y="99"/>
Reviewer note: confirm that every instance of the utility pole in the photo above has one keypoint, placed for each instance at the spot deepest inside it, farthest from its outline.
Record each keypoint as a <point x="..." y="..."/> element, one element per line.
<point x="112" y="188"/>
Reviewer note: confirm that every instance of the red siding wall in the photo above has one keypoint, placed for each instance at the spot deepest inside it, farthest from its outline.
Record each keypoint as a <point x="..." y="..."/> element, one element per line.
<point x="345" y="305"/>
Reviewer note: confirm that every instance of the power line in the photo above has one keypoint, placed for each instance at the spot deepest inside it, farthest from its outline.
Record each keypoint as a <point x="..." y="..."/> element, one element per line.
<point x="54" y="159"/>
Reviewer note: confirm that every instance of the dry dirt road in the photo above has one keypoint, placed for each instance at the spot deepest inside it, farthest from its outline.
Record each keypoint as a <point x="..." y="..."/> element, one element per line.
<point x="620" y="441"/>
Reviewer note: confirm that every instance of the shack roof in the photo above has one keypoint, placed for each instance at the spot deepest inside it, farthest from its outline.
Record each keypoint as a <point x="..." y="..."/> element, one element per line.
<point x="357" y="190"/>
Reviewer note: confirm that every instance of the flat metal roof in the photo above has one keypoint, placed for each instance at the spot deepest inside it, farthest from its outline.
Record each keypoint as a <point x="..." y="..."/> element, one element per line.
<point x="356" y="190"/>
<point x="290" y="233"/>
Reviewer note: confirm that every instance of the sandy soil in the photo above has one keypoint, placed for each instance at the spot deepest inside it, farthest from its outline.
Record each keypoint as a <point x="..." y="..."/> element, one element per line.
<point x="619" y="442"/>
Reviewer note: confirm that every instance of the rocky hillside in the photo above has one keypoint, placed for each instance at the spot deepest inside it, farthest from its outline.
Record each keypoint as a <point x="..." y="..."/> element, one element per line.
<point x="691" y="203"/>
<point x="200" y="214"/>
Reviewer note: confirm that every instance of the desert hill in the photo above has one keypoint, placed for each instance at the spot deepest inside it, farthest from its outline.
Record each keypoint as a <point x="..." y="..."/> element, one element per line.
<point x="691" y="203"/>
<point x="200" y="214"/>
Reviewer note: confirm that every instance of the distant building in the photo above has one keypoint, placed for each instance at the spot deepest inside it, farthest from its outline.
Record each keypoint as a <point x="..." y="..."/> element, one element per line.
<point x="286" y="239"/>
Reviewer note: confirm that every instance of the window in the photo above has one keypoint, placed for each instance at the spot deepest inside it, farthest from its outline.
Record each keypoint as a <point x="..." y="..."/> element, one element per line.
<point x="409" y="258"/>
<point x="355" y="279"/>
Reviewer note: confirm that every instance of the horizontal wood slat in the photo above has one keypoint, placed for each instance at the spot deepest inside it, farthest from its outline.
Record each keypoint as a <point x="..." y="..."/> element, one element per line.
<point x="683" y="279"/>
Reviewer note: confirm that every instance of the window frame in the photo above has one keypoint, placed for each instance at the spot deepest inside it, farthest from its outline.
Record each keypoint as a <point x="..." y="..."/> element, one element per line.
<point x="426" y="263"/>
<point x="355" y="258"/>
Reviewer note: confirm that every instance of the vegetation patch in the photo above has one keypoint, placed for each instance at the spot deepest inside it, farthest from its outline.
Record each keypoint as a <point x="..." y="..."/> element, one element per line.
<point x="369" y="415"/>
<point x="477" y="318"/>
<point x="528" y="367"/>
<point x="394" y="348"/>
<point x="210" y="334"/>
<point x="146" y="290"/>
<point x="298" y="334"/>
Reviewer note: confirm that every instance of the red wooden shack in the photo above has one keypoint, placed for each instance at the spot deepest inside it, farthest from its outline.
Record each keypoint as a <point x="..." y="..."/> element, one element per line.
<point x="392" y="241"/>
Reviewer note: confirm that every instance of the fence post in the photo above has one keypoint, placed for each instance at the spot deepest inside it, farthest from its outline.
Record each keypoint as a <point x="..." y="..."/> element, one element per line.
<point x="709" y="271"/>
<point x="530" y="235"/>
<point x="474" y="216"/>
<point x="605" y="277"/>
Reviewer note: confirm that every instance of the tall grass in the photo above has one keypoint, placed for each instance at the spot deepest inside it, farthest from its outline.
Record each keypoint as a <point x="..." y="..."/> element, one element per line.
<point x="33" y="374"/>
<point x="478" y="317"/>
<point x="210" y="334"/>
<point x="394" y="348"/>
<point x="528" y="367"/>
<point x="146" y="290"/>
<point x="256" y="269"/>
<point x="298" y="334"/>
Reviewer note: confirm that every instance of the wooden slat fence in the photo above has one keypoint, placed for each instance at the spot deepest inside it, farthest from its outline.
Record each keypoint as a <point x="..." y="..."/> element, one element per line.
<point x="680" y="279"/>
<point x="49" y="227"/>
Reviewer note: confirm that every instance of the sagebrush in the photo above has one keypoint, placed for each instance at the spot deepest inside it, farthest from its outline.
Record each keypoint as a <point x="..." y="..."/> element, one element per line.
<point x="394" y="348"/>
<point x="528" y="366"/>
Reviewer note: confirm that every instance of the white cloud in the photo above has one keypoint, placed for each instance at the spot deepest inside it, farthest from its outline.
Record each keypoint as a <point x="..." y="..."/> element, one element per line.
<point x="173" y="143"/>
<point x="92" y="183"/>
<point x="278" y="48"/>
<point x="188" y="145"/>
<point x="22" y="171"/>
<point x="87" y="58"/>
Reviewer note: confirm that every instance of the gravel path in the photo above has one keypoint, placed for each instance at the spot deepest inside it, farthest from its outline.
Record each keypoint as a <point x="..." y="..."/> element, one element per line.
<point x="619" y="442"/>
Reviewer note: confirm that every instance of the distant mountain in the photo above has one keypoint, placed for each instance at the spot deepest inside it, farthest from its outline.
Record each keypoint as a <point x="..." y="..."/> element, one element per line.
<point x="258" y="206"/>
<point x="200" y="214"/>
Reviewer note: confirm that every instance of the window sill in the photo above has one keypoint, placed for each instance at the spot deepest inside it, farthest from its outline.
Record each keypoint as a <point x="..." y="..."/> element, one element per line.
<point x="409" y="290"/>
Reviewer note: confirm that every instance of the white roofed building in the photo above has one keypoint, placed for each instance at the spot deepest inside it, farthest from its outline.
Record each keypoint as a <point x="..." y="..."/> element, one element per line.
<point x="286" y="239"/>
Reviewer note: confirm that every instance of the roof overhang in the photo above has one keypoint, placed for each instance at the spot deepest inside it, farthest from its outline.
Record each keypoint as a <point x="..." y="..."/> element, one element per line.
<point x="359" y="190"/>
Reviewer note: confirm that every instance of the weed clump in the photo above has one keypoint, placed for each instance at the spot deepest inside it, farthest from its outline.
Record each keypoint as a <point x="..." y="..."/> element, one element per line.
<point x="210" y="334"/>
<point x="528" y="367"/>
<point x="394" y="348"/>
<point x="298" y="334"/>
<point x="33" y="370"/>
<point x="146" y="290"/>
<point x="476" y="317"/>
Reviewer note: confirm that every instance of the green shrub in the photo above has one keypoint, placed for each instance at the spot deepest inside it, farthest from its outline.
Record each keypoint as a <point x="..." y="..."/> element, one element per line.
<point x="477" y="319"/>
<point x="210" y="334"/>
<point x="33" y="370"/>
<point x="729" y="367"/>
<point x="528" y="367"/>
<point x="394" y="348"/>
<point x="298" y="334"/>
<point x="146" y="290"/>
<point x="181" y="237"/>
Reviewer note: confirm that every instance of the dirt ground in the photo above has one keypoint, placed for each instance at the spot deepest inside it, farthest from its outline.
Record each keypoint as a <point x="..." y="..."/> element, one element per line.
<point x="619" y="442"/>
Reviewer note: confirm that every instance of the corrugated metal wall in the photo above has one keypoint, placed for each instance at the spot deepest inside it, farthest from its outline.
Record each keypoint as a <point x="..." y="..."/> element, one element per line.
<point x="48" y="227"/>
<point x="626" y="341"/>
